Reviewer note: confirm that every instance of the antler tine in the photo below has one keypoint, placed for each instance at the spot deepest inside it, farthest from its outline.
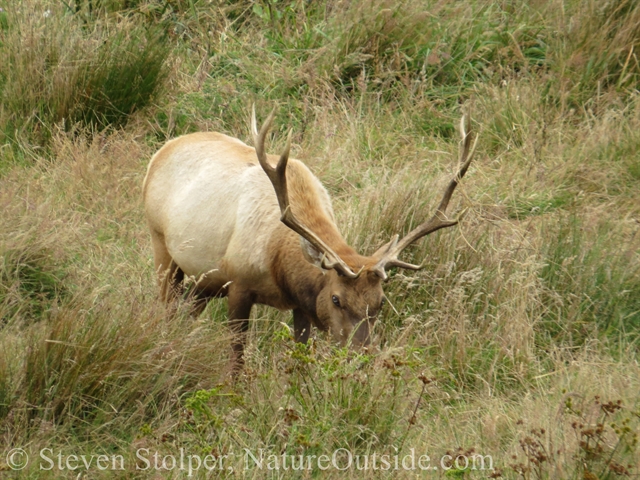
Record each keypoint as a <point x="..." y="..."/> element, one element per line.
<point x="389" y="253"/>
<point x="259" y="138"/>
<point x="466" y="155"/>
<point x="278" y="178"/>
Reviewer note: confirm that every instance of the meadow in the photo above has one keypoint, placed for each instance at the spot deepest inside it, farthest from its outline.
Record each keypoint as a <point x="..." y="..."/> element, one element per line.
<point x="513" y="354"/>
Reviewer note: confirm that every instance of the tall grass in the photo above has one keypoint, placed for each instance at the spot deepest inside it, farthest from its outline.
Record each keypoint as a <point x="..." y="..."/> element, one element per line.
<point x="588" y="295"/>
<point x="595" y="65"/>
<point x="55" y="69"/>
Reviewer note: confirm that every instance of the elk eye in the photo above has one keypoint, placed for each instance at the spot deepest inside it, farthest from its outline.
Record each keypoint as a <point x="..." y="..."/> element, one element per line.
<point x="336" y="300"/>
<point x="383" y="301"/>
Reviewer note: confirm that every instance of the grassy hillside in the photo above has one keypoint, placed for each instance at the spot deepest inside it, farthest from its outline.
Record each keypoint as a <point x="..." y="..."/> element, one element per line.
<point x="517" y="345"/>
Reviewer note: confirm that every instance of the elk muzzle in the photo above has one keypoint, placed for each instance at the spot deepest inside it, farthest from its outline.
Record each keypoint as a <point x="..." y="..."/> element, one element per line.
<point x="361" y="334"/>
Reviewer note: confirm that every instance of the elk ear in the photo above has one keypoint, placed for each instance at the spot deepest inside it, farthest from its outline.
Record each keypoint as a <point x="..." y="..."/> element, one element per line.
<point x="310" y="253"/>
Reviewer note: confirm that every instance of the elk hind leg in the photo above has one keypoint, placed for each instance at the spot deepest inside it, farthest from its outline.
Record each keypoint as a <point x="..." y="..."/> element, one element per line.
<point x="170" y="276"/>
<point x="200" y="301"/>
<point x="240" y="304"/>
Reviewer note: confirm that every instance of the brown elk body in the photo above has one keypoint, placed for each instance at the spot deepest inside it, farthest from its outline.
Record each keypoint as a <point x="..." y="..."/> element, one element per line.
<point x="260" y="229"/>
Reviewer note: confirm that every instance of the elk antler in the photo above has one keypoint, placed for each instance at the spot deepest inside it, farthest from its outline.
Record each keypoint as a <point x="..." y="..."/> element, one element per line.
<point x="388" y="254"/>
<point x="278" y="178"/>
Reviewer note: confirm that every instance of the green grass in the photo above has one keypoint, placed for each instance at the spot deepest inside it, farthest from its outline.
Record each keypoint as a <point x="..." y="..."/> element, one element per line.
<point x="518" y="340"/>
<point x="59" y="72"/>
<point x="31" y="283"/>
<point x="591" y="295"/>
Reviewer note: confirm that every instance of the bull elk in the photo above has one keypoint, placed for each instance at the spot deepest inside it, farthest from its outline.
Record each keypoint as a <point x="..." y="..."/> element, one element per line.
<point x="267" y="239"/>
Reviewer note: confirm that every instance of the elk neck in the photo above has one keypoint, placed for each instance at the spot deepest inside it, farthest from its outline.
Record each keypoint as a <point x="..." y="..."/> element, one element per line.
<point x="300" y="281"/>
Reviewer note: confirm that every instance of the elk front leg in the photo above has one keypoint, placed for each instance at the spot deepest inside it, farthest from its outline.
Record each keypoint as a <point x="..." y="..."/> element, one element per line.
<point x="301" y="326"/>
<point x="240" y="303"/>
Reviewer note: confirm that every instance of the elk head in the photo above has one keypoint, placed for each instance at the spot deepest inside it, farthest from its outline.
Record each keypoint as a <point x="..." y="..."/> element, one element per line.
<point x="350" y="292"/>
